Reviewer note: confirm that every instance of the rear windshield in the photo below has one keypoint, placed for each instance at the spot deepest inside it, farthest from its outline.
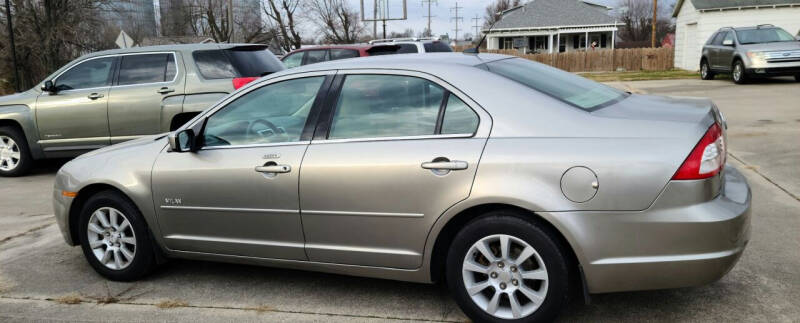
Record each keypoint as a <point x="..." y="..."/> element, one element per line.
<point x="768" y="35"/>
<point x="565" y="86"/>
<point x="250" y="61"/>
<point x="437" y="46"/>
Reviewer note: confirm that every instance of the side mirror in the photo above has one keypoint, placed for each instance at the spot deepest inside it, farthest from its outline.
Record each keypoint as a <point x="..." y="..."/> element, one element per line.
<point x="182" y="141"/>
<point x="48" y="86"/>
<point x="727" y="42"/>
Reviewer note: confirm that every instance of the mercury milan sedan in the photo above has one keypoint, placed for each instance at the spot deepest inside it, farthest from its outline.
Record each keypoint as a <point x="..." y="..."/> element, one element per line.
<point x="516" y="184"/>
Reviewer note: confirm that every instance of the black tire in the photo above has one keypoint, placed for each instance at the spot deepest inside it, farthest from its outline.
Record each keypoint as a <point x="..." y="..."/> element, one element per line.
<point x="742" y="76"/>
<point x="25" y="161"/>
<point x="144" y="260"/>
<point x="509" y="222"/>
<point x="705" y="70"/>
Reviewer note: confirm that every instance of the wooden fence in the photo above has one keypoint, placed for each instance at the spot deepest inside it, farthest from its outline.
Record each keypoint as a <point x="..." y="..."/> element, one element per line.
<point x="629" y="59"/>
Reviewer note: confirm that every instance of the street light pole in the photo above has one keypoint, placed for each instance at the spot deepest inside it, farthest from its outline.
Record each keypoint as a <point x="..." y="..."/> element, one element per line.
<point x="13" y="48"/>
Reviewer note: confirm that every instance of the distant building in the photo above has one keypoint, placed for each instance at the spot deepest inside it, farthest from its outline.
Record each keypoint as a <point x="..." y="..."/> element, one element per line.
<point x="697" y="20"/>
<point x="135" y="17"/>
<point x="548" y="26"/>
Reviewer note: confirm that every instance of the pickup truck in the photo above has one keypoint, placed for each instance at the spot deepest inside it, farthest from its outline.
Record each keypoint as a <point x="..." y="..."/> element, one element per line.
<point x="113" y="96"/>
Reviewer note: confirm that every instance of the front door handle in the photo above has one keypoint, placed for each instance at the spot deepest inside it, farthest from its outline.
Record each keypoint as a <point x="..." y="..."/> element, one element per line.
<point x="95" y="96"/>
<point x="165" y="90"/>
<point x="446" y="165"/>
<point x="272" y="168"/>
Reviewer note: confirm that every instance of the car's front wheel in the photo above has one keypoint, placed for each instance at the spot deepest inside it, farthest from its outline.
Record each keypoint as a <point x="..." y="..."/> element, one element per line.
<point x="15" y="158"/>
<point x="504" y="268"/>
<point x="739" y="76"/>
<point x="114" y="237"/>
<point x="705" y="70"/>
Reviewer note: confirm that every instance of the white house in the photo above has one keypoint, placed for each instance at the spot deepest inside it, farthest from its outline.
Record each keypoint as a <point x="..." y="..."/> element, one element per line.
<point x="547" y="26"/>
<point x="697" y="20"/>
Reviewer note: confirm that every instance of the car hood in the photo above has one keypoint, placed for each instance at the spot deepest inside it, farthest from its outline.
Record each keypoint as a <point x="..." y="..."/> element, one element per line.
<point x="26" y="98"/>
<point x="769" y="47"/>
<point x="159" y="139"/>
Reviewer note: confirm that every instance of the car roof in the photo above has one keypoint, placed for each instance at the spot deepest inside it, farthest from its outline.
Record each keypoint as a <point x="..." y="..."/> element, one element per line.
<point x="751" y="27"/>
<point x="353" y="46"/>
<point x="428" y="62"/>
<point x="175" y="47"/>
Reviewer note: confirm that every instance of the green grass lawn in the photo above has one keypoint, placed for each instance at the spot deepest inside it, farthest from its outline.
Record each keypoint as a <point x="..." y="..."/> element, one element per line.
<point x="640" y="76"/>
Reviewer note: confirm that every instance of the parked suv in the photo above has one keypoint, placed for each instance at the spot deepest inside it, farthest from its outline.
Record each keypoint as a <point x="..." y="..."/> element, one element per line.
<point x="319" y="54"/>
<point x="112" y="96"/>
<point x="748" y="52"/>
<point x="416" y="45"/>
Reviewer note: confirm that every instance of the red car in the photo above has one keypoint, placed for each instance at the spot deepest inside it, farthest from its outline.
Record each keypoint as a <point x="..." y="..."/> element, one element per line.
<point x="318" y="54"/>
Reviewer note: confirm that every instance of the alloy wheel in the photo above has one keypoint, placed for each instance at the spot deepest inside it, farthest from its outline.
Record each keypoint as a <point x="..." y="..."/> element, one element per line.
<point x="9" y="154"/>
<point x="111" y="238"/>
<point x="704" y="70"/>
<point x="505" y="276"/>
<point x="737" y="72"/>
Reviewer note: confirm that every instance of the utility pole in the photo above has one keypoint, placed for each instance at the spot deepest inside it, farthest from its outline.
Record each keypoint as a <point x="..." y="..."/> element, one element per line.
<point x="456" y="18"/>
<point x="476" y="26"/>
<point x="12" y="47"/>
<point x="428" y="32"/>
<point x="655" y="21"/>
<point x="230" y="21"/>
<point x="374" y="16"/>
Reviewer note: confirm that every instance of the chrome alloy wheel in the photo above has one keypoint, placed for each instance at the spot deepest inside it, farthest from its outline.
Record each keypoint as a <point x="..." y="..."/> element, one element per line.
<point x="111" y="238"/>
<point x="9" y="154"/>
<point x="704" y="70"/>
<point x="737" y="72"/>
<point x="505" y="276"/>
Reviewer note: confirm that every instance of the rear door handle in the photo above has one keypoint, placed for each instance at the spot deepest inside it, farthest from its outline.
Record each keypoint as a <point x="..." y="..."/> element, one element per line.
<point x="273" y="169"/>
<point x="95" y="96"/>
<point x="446" y="165"/>
<point x="165" y="90"/>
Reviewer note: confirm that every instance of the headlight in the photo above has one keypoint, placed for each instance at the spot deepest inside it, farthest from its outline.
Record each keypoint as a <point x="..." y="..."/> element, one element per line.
<point x="756" y="57"/>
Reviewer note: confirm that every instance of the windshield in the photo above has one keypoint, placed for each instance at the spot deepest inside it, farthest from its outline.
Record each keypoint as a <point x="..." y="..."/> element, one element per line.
<point x="437" y="47"/>
<point x="768" y="35"/>
<point x="565" y="86"/>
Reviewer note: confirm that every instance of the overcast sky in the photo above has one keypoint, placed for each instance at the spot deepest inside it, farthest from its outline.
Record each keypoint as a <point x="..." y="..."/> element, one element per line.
<point x="442" y="23"/>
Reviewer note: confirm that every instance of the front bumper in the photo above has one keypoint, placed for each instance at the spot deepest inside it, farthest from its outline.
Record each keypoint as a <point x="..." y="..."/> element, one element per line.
<point x="683" y="239"/>
<point x="61" y="207"/>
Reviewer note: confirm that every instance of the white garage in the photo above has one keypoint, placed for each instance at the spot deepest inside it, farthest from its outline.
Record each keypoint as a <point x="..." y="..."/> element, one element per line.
<point x="697" y="20"/>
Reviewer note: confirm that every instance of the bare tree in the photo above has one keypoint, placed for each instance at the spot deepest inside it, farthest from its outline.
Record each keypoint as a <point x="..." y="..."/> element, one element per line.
<point x="336" y="20"/>
<point x="491" y="16"/>
<point x="283" y="22"/>
<point x="405" y="34"/>
<point x="637" y="15"/>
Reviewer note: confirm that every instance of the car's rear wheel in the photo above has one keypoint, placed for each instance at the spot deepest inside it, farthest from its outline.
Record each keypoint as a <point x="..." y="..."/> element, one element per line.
<point x="15" y="158"/>
<point x="503" y="268"/>
<point x="114" y="237"/>
<point x="739" y="76"/>
<point x="705" y="70"/>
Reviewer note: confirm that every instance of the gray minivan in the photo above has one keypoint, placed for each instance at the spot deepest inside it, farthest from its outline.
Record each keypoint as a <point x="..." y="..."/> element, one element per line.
<point x="112" y="96"/>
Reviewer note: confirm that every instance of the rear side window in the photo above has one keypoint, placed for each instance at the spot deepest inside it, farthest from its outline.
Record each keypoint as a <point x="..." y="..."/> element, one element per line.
<point x="437" y="47"/>
<point x="372" y="106"/>
<point x="248" y="61"/>
<point x="458" y="117"/>
<point x="148" y="68"/>
<point x="293" y="60"/>
<point x="343" y="53"/>
<point x="561" y="85"/>
<point x="407" y="49"/>
<point x="316" y="56"/>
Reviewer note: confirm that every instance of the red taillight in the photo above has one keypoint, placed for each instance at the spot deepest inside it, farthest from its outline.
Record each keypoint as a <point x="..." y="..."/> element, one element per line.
<point x="707" y="158"/>
<point x="242" y="81"/>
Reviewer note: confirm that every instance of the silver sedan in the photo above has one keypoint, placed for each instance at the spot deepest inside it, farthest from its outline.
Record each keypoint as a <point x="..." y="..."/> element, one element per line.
<point x="517" y="184"/>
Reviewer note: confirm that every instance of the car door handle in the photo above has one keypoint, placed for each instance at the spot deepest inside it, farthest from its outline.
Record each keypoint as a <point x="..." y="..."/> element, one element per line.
<point x="95" y="96"/>
<point x="273" y="169"/>
<point x="446" y="165"/>
<point x="165" y="90"/>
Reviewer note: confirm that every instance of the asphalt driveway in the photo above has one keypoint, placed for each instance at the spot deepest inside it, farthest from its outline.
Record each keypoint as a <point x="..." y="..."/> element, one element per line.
<point x="41" y="279"/>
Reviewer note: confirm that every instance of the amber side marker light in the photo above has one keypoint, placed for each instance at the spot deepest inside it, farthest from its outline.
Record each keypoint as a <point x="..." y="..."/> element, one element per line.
<point x="69" y="194"/>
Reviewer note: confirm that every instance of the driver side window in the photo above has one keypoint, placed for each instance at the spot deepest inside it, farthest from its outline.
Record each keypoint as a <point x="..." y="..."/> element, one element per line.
<point x="271" y="114"/>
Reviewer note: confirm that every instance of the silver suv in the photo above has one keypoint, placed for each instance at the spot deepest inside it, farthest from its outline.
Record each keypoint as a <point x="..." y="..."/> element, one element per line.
<point x="112" y="96"/>
<point x="748" y="52"/>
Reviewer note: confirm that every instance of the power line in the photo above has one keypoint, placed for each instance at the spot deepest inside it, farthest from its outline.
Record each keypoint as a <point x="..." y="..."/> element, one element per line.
<point x="456" y="18"/>
<point x="476" y="26"/>
<point x="429" y="32"/>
